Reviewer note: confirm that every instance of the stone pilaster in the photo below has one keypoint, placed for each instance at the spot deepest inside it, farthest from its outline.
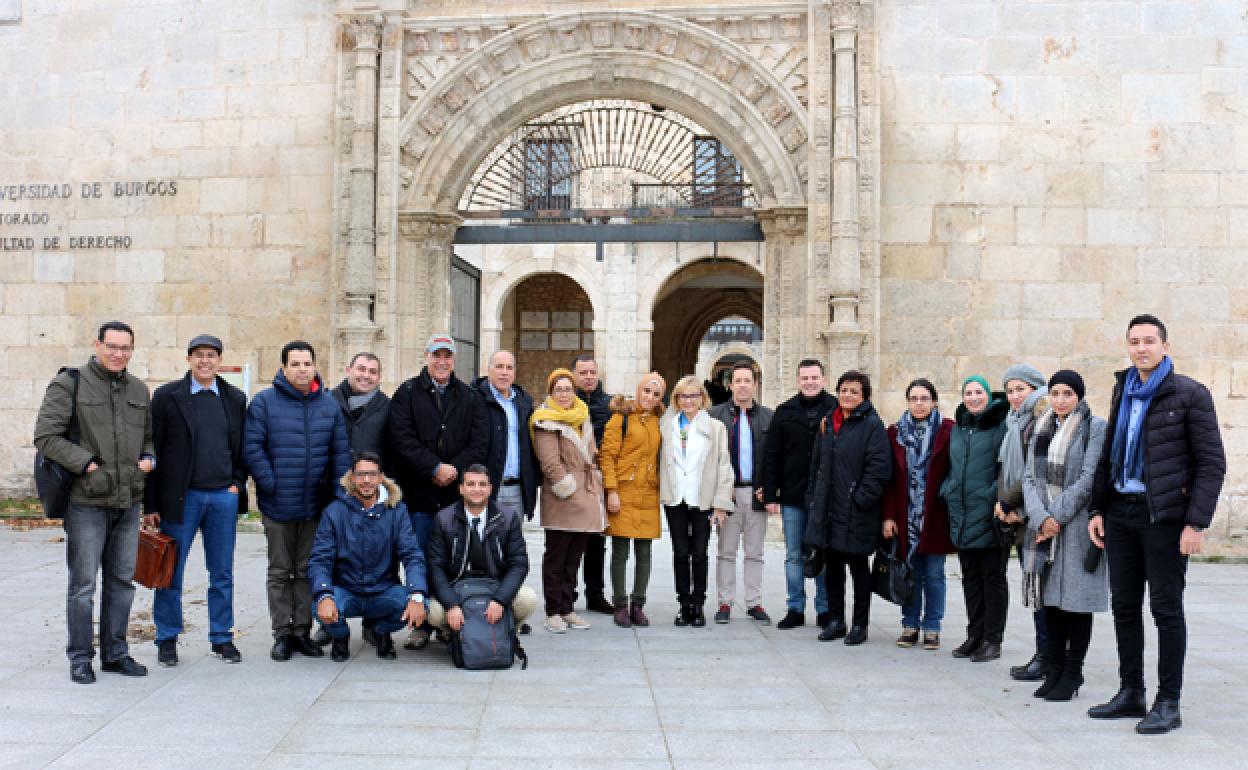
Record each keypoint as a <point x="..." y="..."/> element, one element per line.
<point x="359" y="282"/>
<point x="423" y="299"/>
<point x="819" y="182"/>
<point x="784" y="298"/>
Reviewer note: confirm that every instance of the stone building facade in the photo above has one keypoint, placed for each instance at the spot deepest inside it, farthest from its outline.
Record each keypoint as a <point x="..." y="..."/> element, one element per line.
<point x="942" y="187"/>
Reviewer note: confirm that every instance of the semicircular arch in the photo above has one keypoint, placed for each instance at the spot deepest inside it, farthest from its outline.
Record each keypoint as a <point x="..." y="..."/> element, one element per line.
<point x="568" y="58"/>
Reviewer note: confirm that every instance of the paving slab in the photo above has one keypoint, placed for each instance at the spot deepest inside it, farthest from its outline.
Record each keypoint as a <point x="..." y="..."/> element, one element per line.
<point x="739" y="695"/>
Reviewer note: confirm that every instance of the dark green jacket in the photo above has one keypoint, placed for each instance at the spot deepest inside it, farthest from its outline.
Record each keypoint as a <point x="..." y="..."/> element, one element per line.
<point x="115" y="419"/>
<point x="970" y="490"/>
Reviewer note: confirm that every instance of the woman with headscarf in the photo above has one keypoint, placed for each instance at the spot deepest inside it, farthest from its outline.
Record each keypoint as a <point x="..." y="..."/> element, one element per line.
<point x="915" y="513"/>
<point x="970" y="492"/>
<point x="571" y="494"/>
<point x="630" y="473"/>
<point x="1025" y="390"/>
<point x="1057" y="487"/>
<point x="695" y="486"/>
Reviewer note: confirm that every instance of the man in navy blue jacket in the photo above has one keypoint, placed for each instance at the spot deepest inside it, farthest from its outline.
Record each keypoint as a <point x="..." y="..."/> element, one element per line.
<point x="363" y="537"/>
<point x="295" y="444"/>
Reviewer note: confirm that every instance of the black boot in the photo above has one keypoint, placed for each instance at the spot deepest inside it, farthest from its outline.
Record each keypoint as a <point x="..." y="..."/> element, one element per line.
<point x="699" y="618"/>
<point x="340" y="649"/>
<point x="1052" y="675"/>
<point x="1127" y="702"/>
<point x="1068" y="686"/>
<point x="684" y="615"/>
<point x="835" y="629"/>
<point x="1032" y="671"/>
<point x="385" y="647"/>
<point x="1162" y="718"/>
<point x="281" y="648"/>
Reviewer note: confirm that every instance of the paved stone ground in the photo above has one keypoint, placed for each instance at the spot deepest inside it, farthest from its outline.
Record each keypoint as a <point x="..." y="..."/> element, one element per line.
<point x="738" y="695"/>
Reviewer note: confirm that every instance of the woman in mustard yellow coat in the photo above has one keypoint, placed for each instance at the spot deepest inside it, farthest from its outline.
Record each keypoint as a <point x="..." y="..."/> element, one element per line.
<point x="630" y="474"/>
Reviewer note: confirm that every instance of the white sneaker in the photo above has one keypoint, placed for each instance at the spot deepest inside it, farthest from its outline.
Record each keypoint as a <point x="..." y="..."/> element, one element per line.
<point x="556" y="625"/>
<point x="575" y="621"/>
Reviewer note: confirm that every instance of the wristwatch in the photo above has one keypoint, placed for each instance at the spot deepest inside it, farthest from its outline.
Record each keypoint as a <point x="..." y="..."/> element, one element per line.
<point x="416" y="597"/>
<point x="1196" y="528"/>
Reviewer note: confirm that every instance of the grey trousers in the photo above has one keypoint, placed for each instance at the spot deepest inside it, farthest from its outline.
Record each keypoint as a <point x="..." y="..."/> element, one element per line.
<point x="290" y="595"/>
<point x="98" y="539"/>
<point x="747" y="526"/>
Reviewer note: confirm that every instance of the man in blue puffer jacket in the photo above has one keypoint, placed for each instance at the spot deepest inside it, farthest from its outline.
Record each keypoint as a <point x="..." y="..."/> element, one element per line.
<point x="363" y="537"/>
<point x="295" y="446"/>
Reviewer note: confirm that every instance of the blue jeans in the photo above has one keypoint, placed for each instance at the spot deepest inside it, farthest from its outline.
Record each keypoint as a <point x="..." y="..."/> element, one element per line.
<point x="929" y="593"/>
<point x="385" y="608"/>
<point x="215" y="512"/>
<point x="99" y="540"/>
<point x="794" y="520"/>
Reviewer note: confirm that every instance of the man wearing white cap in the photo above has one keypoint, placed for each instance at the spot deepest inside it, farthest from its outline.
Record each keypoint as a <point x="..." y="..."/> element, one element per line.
<point x="438" y="427"/>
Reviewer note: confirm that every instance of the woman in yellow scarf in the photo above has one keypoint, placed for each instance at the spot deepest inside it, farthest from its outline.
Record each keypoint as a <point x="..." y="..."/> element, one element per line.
<point x="570" y="501"/>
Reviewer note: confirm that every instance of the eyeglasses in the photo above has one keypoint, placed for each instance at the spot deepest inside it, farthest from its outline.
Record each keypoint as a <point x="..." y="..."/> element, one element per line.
<point x="687" y="396"/>
<point x="563" y="390"/>
<point x="124" y="350"/>
<point x="366" y="474"/>
<point x="919" y="399"/>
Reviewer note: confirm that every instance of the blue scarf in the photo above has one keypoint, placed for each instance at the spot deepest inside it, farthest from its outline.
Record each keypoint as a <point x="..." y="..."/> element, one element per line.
<point x="1127" y="462"/>
<point x="916" y="437"/>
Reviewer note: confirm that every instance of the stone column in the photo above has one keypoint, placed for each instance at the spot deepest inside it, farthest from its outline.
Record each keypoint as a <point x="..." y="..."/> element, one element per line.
<point x="844" y="334"/>
<point x="785" y="341"/>
<point x="423" y="302"/>
<point x="359" y="285"/>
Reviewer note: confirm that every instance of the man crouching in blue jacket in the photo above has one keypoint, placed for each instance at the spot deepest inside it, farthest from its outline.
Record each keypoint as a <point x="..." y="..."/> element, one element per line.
<point x="354" y="567"/>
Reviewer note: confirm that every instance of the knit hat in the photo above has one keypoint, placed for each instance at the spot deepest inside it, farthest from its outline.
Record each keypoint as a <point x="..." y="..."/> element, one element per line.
<point x="555" y="376"/>
<point x="983" y="381"/>
<point x="1070" y="378"/>
<point x="1024" y="373"/>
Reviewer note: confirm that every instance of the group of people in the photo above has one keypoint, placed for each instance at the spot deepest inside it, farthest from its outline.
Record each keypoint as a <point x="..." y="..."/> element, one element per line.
<point x="378" y="507"/>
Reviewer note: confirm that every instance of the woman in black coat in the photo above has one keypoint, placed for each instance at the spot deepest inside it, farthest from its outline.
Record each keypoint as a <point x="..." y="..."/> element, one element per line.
<point x="850" y="466"/>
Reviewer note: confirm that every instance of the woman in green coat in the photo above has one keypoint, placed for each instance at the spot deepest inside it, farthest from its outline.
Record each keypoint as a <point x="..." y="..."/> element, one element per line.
<point x="970" y="491"/>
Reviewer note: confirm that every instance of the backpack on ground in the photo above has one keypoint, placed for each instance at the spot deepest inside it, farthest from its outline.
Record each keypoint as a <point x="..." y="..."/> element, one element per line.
<point x="480" y="644"/>
<point x="53" y="480"/>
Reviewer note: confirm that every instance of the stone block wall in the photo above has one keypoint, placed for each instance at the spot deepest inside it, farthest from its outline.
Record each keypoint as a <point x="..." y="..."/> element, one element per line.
<point x="1049" y="171"/>
<point x="229" y="101"/>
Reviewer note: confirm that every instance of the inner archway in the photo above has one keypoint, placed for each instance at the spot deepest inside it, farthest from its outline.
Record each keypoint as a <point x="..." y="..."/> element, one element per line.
<point x="692" y="301"/>
<point x="547" y="320"/>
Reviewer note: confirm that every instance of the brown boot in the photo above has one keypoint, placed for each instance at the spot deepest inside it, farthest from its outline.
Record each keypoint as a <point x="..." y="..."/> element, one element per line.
<point x="638" y="617"/>
<point x="621" y="614"/>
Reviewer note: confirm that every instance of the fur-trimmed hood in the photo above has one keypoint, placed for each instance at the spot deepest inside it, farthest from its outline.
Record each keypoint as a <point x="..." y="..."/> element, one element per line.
<point x="388" y="493"/>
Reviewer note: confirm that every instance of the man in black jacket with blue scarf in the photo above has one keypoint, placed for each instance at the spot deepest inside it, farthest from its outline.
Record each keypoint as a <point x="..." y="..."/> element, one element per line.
<point x="1155" y="493"/>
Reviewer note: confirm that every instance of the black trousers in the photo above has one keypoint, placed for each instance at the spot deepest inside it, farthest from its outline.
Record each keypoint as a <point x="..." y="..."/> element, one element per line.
<point x="1037" y="618"/>
<point x="1070" y="633"/>
<point x="987" y="594"/>
<point x="1139" y="553"/>
<point x="595" y="562"/>
<point x="560" y="562"/>
<point x="691" y="535"/>
<point x="835" y="563"/>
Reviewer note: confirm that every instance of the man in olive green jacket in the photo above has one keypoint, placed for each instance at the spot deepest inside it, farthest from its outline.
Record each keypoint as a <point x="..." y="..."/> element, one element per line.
<point x="111" y="460"/>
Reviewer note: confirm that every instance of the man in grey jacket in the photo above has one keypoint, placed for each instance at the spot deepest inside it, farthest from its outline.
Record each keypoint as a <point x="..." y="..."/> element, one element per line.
<point x="747" y="422"/>
<point x="110" y="452"/>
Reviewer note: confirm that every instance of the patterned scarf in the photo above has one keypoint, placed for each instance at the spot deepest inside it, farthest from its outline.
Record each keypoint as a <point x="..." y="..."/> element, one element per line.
<point x="916" y="437"/>
<point x="1011" y="455"/>
<point x="1048" y="462"/>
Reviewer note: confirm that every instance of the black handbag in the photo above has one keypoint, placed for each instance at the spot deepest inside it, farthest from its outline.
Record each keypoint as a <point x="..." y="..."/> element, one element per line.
<point x="1092" y="558"/>
<point x="812" y="561"/>
<point x="52" y="480"/>
<point x="892" y="578"/>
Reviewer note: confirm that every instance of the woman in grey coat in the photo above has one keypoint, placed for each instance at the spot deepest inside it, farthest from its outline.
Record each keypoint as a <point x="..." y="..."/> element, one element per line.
<point x="1057" y="484"/>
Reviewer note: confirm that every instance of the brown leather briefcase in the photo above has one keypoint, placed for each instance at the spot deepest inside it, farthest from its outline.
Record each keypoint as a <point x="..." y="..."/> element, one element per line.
<point x="157" y="558"/>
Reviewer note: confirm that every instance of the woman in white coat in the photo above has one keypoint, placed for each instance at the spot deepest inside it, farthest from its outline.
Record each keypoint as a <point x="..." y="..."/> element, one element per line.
<point x="695" y="486"/>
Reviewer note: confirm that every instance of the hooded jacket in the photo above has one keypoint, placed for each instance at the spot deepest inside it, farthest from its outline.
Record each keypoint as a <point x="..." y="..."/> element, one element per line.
<point x="630" y="467"/>
<point x="848" y="473"/>
<point x="116" y="426"/>
<point x="360" y="550"/>
<point x="506" y="554"/>
<point x="427" y="430"/>
<point x="970" y="489"/>
<point x="496" y="445"/>
<point x="294" y="444"/>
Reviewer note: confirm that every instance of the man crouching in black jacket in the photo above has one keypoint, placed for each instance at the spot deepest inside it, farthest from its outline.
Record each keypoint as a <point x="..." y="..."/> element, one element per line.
<point x="474" y="538"/>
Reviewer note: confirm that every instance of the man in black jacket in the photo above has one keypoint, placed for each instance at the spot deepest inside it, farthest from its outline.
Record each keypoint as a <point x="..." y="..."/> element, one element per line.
<point x="1155" y="492"/>
<point x="438" y="427"/>
<point x="365" y="408"/>
<point x="475" y="538"/>
<point x="589" y="389"/>
<point x="199" y="485"/>
<point x="786" y="471"/>
<point x="509" y="456"/>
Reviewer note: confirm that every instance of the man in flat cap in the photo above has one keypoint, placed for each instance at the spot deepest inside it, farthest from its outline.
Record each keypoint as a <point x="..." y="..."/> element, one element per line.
<point x="438" y="427"/>
<point x="197" y="429"/>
